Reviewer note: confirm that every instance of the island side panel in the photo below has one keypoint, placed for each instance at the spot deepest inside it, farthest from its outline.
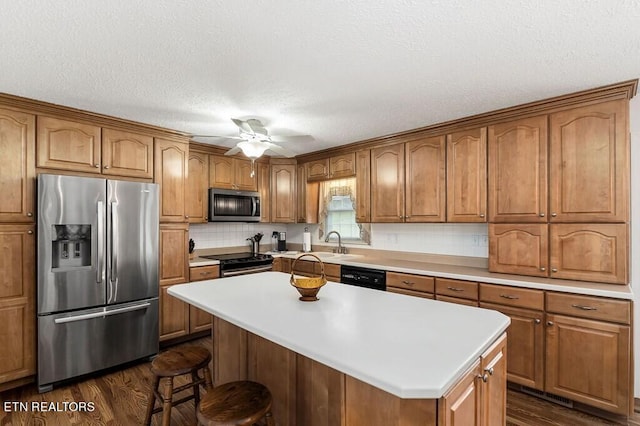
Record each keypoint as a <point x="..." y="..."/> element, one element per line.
<point x="229" y="352"/>
<point x="320" y="394"/>
<point x="368" y="405"/>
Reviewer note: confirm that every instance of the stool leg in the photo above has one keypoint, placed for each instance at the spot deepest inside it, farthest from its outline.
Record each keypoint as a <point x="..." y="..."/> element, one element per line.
<point x="207" y="378"/>
<point x="152" y="400"/>
<point x="167" y="396"/>
<point x="196" y="389"/>
<point x="269" y="419"/>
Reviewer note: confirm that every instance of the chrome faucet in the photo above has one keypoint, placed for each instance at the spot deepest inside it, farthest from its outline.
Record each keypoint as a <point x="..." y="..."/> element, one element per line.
<point x="339" y="249"/>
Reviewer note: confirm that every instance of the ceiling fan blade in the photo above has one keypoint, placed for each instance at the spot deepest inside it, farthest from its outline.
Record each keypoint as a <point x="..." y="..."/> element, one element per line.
<point x="233" y="151"/>
<point x="256" y="127"/>
<point x="243" y="125"/>
<point x="279" y="150"/>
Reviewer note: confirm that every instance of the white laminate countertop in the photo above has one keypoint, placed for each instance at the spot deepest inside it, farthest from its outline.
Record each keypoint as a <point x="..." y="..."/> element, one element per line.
<point x="473" y="274"/>
<point x="201" y="261"/>
<point x="408" y="346"/>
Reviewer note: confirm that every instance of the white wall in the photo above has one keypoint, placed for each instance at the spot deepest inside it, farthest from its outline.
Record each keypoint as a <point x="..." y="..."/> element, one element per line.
<point x="635" y="230"/>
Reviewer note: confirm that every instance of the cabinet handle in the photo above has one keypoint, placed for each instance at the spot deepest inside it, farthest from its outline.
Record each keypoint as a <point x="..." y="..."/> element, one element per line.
<point x="186" y="216"/>
<point x="507" y="296"/>
<point x="585" y="308"/>
<point x="206" y="218"/>
<point x="554" y="270"/>
<point x="407" y="217"/>
<point x="481" y="214"/>
<point x="541" y="215"/>
<point x="553" y="215"/>
<point x="484" y="377"/>
<point x="29" y="214"/>
<point x="543" y="269"/>
<point x="407" y="282"/>
<point x="455" y="289"/>
<point x="106" y="167"/>
<point x="550" y="323"/>
<point x="489" y="370"/>
<point x="537" y="321"/>
<point x="29" y="232"/>
<point x="97" y="166"/>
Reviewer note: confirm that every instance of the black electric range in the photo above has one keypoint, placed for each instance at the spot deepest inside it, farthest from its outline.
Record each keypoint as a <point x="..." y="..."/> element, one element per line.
<point x="242" y="263"/>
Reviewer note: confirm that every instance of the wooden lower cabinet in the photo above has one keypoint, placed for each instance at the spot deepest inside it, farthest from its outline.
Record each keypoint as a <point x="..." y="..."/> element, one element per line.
<point x="200" y="320"/>
<point x="174" y="269"/>
<point x="589" y="361"/>
<point x="461" y="405"/>
<point x="174" y="316"/>
<point x="17" y="305"/>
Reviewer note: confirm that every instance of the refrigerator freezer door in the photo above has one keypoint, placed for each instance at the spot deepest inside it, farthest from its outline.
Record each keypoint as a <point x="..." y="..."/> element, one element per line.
<point x="71" y="243"/>
<point x="132" y="241"/>
<point x="80" y="342"/>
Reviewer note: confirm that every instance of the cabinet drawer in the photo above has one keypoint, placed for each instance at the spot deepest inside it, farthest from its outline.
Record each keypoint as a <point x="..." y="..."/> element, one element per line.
<point x="512" y="296"/>
<point x="456" y="288"/>
<point x="410" y="292"/>
<point x="410" y="282"/>
<point x="200" y="273"/>
<point x="457" y="300"/>
<point x="590" y="307"/>
<point x="330" y="270"/>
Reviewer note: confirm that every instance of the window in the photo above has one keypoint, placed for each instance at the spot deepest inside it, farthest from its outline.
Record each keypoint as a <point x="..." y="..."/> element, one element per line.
<point x="337" y="212"/>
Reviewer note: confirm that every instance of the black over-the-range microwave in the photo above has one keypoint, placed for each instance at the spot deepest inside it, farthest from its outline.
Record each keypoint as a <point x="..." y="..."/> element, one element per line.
<point x="229" y="205"/>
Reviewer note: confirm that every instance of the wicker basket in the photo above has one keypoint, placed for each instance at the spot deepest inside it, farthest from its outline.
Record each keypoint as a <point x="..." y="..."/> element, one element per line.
<point x="308" y="287"/>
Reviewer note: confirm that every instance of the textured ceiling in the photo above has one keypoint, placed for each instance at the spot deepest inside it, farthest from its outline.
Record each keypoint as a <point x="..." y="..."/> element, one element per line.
<point x="340" y="71"/>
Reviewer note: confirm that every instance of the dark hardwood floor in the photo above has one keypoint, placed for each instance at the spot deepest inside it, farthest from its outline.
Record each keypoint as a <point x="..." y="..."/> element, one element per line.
<point x="120" y="398"/>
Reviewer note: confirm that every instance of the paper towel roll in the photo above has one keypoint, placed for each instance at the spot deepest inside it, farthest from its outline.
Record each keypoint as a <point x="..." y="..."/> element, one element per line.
<point x="306" y="242"/>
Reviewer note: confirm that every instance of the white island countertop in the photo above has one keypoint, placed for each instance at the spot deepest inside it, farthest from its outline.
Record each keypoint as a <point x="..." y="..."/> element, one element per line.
<point x="408" y="346"/>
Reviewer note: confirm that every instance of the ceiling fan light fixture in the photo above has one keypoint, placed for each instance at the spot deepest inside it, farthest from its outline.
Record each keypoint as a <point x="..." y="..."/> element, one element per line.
<point x="252" y="148"/>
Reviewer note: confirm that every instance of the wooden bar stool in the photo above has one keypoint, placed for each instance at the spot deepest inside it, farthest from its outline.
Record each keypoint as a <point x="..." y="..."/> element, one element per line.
<point x="173" y="363"/>
<point x="235" y="403"/>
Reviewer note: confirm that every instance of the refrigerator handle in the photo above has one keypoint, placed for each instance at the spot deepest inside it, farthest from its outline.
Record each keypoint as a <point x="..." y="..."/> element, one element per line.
<point x="102" y="314"/>
<point x="114" y="243"/>
<point x="100" y="232"/>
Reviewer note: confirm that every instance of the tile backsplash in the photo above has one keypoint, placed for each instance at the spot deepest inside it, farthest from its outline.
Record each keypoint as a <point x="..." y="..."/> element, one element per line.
<point x="231" y="234"/>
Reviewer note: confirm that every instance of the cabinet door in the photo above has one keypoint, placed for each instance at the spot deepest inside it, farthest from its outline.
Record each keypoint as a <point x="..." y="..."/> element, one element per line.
<point x="17" y="302"/>
<point x="170" y="168"/>
<point x="363" y="186"/>
<point x="342" y="165"/>
<point x="461" y="406"/>
<point x="197" y="189"/>
<point x="174" y="262"/>
<point x="494" y="383"/>
<point x="17" y="174"/>
<point x="467" y="176"/>
<point x="525" y="345"/>
<point x="589" y="252"/>
<point x="264" y="187"/>
<point x="174" y="316"/>
<point x="387" y="184"/>
<point x="68" y="145"/>
<point x="221" y="172"/>
<point x="589" y="361"/>
<point x="199" y="320"/>
<point x="244" y="175"/>
<point x="425" y="180"/>
<point x="127" y="154"/>
<point x="301" y="197"/>
<point x="589" y="163"/>
<point x="518" y="171"/>
<point x="318" y="169"/>
<point x="521" y="249"/>
<point x="283" y="193"/>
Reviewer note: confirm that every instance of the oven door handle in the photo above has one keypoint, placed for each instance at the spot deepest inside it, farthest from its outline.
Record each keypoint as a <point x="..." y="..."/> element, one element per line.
<point x="246" y="271"/>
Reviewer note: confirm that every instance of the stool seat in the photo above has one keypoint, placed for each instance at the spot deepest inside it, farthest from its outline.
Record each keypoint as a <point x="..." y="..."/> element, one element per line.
<point x="179" y="361"/>
<point x="235" y="403"/>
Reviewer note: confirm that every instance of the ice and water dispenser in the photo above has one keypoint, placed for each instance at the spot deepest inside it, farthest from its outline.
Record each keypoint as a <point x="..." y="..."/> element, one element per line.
<point x="71" y="246"/>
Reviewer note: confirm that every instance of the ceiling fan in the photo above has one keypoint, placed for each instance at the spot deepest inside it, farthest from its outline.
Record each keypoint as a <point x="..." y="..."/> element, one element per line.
<point x="254" y="141"/>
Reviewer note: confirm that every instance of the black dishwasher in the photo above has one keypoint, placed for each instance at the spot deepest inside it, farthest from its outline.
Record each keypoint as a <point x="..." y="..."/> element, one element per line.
<point x="363" y="277"/>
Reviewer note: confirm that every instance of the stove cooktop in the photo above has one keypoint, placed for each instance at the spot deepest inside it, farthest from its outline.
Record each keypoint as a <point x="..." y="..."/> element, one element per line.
<point x="240" y="260"/>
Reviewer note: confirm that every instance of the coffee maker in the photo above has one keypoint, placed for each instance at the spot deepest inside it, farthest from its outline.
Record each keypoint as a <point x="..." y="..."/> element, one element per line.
<point x="282" y="241"/>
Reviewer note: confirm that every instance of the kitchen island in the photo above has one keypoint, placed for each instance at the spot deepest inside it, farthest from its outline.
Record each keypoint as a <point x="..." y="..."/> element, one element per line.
<point x="356" y="356"/>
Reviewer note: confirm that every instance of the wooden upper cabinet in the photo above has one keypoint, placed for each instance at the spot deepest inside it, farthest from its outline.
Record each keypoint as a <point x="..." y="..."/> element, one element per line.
<point x="518" y="170"/>
<point x="197" y="196"/>
<point x="283" y="193"/>
<point x="589" y="252"/>
<point x="264" y="188"/>
<point x="363" y="186"/>
<point x="521" y="249"/>
<point x="425" y="181"/>
<point x="589" y="163"/>
<point x="17" y="174"/>
<point x="387" y="183"/>
<point x="342" y="165"/>
<point x="301" y="196"/>
<point x="467" y="176"/>
<point x="170" y="170"/>
<point x="245" y="175"/>
<point x="318" y="169"/>
<point x="67" y="145"/>
<point x="221" y="173"/>
<point x="127" y="154"/>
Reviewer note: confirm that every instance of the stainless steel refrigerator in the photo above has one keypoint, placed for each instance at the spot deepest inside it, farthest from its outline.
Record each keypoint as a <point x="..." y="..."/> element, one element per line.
<point x="97" y="275"/>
